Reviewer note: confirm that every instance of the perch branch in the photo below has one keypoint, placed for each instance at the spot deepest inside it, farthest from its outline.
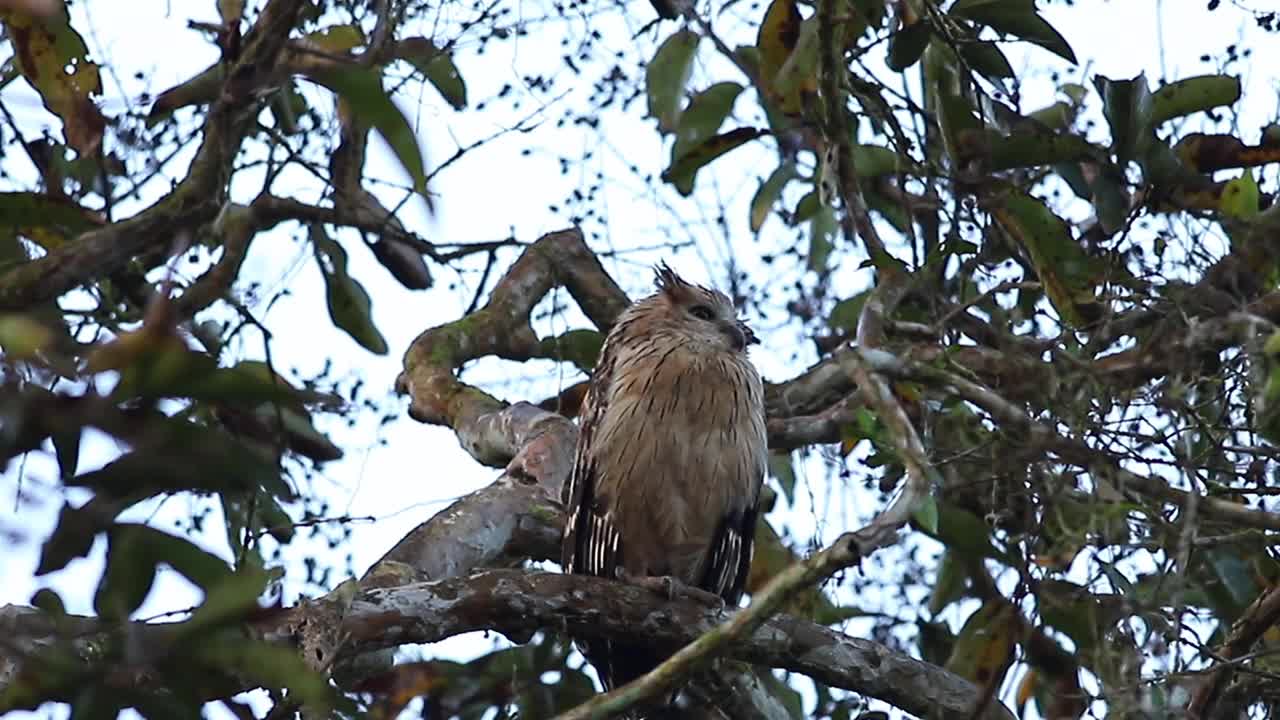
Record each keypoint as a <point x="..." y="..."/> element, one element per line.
<point x="518" y="603"/>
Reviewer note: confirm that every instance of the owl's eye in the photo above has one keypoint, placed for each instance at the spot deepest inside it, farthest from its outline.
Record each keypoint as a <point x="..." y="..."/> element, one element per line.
<point x="702" y="312"/>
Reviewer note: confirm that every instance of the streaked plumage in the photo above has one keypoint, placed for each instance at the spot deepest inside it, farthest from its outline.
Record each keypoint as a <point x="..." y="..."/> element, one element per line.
<point x="670" y="457"/>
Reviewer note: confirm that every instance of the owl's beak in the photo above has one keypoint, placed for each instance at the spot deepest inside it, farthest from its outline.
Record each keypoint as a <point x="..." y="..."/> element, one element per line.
<point x="740" y="336"/>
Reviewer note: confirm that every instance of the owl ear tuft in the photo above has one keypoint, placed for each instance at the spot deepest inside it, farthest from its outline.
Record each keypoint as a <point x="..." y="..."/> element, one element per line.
<point x="668" y="282"/>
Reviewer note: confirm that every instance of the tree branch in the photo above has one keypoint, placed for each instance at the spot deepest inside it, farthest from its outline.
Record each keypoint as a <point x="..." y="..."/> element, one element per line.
<point x="519" y="603"/>
<point x="1263" y="613"/>
<point x="194" y="201"/>
<point x="501" y="328"/>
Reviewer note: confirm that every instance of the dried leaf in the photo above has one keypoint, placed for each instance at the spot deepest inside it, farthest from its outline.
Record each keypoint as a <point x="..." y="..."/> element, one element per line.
<point x="53" y="57"/>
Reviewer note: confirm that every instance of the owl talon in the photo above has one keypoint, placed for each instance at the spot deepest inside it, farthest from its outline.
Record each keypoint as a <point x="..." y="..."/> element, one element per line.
<point x="673" y="588"/>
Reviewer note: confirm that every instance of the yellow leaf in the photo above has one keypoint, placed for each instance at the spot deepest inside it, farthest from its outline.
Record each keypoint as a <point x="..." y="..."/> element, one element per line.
<point x="53" y="57"/>
<point x="984" y="648"/>
<point x="1068" y="274"/>
<point x="336" y="39"/>
<point x="127" y="349"/>
<point x="847" y="445"/>
<point x="1026" y="689"/>
<point x="777" y="37"/>
<point x="22" y="337"/>
<point x="1240" y="197"/>
<point x="788" y="65"/>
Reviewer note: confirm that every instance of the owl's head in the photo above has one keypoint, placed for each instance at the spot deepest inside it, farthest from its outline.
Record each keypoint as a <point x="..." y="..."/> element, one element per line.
<point x="704" y="316"/>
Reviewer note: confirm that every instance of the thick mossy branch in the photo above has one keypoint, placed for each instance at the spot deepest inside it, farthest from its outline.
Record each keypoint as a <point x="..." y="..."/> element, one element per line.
<point x="501" y="328"/>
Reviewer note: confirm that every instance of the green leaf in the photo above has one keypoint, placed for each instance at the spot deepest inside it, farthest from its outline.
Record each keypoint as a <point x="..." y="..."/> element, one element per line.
<point x="1192" y="95"/>
<point x="1057" y="116"/>
<point x="908" y="44"/>
<point x="1032" y="146"/>
<point x="955" y="113"/>
<point x="74" y="533"/>
<point x="846" y="313"/>
<point x="667" y="75"/>
<point x="1082" y="615"/>
<point x="797" y="79"/>
<point x="349" y="305"/>
<point x="580" y="347"/>
<point x="926" y="514"/>
<point x="769" y="193"/>
<point x="205" y="570"/>
<point x="1127" y="106"/>
<point x="703" y="117"/>
<point x="438" y="67"/>
<point x="1068" y="275"/>
<point x="1073" y="176"/>
<point x="1240" y="197"/>
<point x="22" y="210"/>
<point x="1109" y="199"/>
<point x="891" y="210"/>
<point x="806" y="208"/>
<point x="875" y="161"/>
<point x="24" y="337"/>
<point x="163" y="366"/>
<point x="683" y="171"/>
<point x="935" y="641"/>
<point x="1017" y="18"/>
<point x="953" y="574"/>
<point x="131" y="571"/>
<point x="986" y="59"/>
<point x="782" y="470"/>
<point x="300" y="433"/>
<point x="66" y="446"/>
<point x="1233" y="586"/>
<point x="404" y="262"/>
<point x="133" y="553"/>
<point x="984" y="648"/>
<point x="336" y="38"/>
<point x="268" y="665"/>
<point x="180" y="455"/>
<point x="963" y="532"/>
<point x="361" y="88"/>
<point x="790" y="699"/>
<point x="49" y="601"/>
<point x="822" y="232"/>
<point x="202" y="88"/>
<point x="228" y="600"/>
<point x="267" y="515"/>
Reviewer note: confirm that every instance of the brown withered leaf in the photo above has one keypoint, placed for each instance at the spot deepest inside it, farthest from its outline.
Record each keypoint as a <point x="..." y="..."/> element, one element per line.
<point x="45" y="49"/>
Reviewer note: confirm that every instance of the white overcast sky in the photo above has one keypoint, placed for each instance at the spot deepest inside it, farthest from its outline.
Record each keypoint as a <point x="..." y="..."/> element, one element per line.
<point x="496" y="192"/>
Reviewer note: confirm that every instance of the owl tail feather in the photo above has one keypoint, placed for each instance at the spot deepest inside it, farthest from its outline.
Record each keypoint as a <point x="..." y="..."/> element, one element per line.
<point x="618" y="665"/>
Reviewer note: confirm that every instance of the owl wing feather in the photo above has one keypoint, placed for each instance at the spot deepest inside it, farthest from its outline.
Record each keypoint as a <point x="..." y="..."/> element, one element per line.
<point x="729" y="562"/>
<point x="590" y="543"/>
